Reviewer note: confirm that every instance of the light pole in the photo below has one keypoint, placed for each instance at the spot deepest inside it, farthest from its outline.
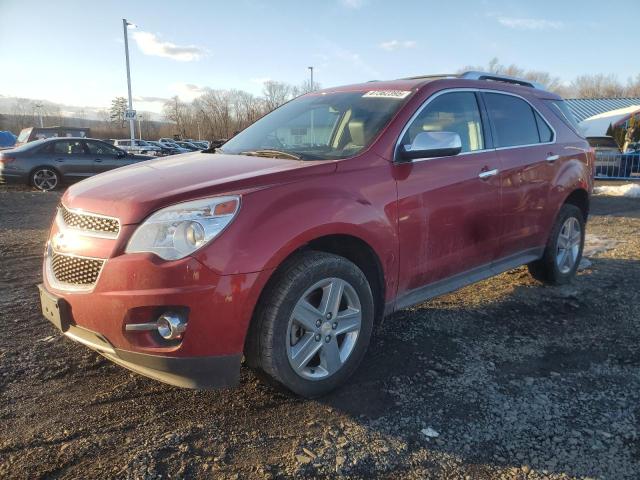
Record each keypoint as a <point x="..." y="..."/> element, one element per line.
<point x="126" y="52"/>
<point x="313" y="131"/>
<point x="39" y="110"/>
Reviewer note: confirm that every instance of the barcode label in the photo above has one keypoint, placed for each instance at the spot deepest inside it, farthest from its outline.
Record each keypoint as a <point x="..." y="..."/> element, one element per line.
<point x="387" y="93"/>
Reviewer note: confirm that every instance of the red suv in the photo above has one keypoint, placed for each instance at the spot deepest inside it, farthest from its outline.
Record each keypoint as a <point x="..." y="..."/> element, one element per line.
<point x="340" y="207"/>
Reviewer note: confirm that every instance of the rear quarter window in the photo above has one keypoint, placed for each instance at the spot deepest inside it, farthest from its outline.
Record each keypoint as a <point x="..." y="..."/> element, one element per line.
<point x="560" y="108"/>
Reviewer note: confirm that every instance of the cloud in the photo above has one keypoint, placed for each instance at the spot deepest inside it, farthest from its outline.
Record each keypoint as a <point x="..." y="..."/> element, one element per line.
<point x="150" y="99"/>
<point x="392" y="45"/>
<point x="354" y="4"/>
<point x="530" y="23"/>
<point x="187" y="91"/>
<point x="150" y="44"/>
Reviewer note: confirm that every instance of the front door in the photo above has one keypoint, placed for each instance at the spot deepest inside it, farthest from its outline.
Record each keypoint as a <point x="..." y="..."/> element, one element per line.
<point x="448" y="207"/>
<point x="104" y="156"/>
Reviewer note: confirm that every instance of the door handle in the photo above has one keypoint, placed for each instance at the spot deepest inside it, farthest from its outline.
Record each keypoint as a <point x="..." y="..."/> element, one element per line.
<point x="98" y="160"/>
<point x="488" y="173"/>
<point x="552" y="158"/>
<point x="59" y="160"/>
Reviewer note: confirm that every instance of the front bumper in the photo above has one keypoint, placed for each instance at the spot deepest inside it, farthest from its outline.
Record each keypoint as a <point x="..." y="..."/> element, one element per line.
<point x="202" y="372"/>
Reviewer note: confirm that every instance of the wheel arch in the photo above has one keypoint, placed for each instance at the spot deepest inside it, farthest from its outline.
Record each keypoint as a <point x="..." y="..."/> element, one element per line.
<point x="580" y="198"/>
<point x="349" y="246"/>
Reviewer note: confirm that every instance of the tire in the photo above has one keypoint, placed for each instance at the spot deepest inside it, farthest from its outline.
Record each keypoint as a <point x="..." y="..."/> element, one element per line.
<point x="45" y="179"/>
<point x="308" y="352"/>
<point x="559" y="264"/>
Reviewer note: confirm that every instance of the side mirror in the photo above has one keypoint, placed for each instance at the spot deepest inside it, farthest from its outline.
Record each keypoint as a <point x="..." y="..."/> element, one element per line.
<point x="432" y="144"/>
<point x="122" y="154"/>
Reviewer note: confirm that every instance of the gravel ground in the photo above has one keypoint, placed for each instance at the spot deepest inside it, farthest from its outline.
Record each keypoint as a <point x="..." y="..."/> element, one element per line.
<point x="504" y="379"/>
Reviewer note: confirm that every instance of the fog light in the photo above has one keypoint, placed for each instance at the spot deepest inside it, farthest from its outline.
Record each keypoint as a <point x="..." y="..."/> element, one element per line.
<point x="171" y="326"/>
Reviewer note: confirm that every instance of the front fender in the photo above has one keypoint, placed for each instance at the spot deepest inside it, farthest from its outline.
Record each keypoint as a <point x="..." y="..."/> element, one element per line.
<point x="275" y="222"/>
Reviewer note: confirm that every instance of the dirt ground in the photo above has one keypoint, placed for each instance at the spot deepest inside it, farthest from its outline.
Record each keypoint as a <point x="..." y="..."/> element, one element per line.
<point x="504" y="379"/>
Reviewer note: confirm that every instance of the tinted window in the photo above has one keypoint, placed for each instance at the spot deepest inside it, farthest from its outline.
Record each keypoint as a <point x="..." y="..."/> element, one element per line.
<point x="544" y="131"/>
<point x="68" y="147"/>
<point x="99" y="148"/>
<point x="513" y="120"/>
<point x="452" y="112"/>
<point x="599" y="142"/>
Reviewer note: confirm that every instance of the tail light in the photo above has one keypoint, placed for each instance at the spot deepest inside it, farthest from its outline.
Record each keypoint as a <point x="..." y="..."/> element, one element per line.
<point x="4" y="159"/>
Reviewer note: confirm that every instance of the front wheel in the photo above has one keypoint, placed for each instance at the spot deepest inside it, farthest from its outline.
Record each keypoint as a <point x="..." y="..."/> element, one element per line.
<point x="314" y="324"/>
<point x="563" y="252"/>
<point x="45" y="179"/>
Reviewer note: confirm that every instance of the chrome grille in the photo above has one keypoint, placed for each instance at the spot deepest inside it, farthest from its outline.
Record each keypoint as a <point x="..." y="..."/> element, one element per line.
<point x="90" y="222"/>
<point x="79" y="271"/>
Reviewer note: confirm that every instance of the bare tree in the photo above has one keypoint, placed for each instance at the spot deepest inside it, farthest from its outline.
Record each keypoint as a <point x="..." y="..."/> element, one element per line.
<point x="276" y="94"/>
<point x="595" y="86"/>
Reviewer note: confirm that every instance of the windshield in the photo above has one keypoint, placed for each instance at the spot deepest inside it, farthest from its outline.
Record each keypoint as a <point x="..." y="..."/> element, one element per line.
<point x="320" y="126"/>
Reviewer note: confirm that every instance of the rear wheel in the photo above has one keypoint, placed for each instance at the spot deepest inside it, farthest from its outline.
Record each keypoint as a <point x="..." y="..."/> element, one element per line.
<point x="45" y="179"/>
<point x="315" y="325"/>
<point x="563" y="252"/>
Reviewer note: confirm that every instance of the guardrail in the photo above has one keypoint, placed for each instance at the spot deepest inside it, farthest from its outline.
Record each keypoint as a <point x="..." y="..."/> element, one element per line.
<point x="617" y="165"/>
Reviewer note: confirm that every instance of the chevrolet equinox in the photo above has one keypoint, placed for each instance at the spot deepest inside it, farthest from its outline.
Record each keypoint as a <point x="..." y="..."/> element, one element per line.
<point x="289" y="243"/>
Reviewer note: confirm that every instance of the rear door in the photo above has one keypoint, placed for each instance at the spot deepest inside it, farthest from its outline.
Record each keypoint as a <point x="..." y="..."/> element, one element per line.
<point x="70" y="158"/>
<point x="448" y="207"/>
<point x="525" y="143"/>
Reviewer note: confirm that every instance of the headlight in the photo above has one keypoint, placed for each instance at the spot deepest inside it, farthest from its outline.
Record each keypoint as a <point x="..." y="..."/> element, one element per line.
<point x="179" y="230"/>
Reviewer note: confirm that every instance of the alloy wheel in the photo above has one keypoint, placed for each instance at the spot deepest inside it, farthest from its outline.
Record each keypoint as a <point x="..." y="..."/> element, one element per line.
<point x="45" y="179"/>
<point x="323" y="328"/>
<point x="568" y="245"/>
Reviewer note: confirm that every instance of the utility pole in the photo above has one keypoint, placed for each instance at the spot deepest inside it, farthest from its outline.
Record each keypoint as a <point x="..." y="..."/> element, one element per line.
<point x="139" y="127"/>
<point x="126" y="52"/>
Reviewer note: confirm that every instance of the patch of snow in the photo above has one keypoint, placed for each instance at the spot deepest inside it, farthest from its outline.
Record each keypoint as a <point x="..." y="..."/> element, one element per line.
<point x="429" y="432"/>
<point x="630" y="190"/>
<point x="594" y="245"/>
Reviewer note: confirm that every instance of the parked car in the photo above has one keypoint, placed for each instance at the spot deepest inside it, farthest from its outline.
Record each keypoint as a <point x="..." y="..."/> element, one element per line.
<point x="138" y="147"/>
<point x="47" y="163"/>
<point x="189" y="146"/>
<point x="291" y="242"/>
<point x="168" y="148"/>
<point x="609" y="160"/>
<point x="31" y="134"/>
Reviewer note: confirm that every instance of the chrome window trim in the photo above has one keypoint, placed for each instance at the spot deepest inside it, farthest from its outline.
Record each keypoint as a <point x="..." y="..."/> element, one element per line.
<point x="87" y="233"/>
<point x="473" y="90"/>
<point x="69" y="287"/>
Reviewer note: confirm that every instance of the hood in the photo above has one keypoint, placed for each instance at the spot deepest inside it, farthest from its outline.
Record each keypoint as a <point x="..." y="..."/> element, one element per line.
<point x="131" y="193"/>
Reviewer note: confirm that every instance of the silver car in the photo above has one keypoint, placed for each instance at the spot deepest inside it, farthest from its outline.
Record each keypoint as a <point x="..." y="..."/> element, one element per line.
<point x="47" y="163"/>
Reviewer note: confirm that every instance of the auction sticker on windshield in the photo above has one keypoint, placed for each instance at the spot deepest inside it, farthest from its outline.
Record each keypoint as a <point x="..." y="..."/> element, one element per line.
<point x="387" y="93"/>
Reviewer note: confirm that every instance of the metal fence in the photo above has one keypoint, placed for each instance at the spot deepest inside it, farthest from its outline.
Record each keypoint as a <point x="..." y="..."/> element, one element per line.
<point x="617" y="165"/>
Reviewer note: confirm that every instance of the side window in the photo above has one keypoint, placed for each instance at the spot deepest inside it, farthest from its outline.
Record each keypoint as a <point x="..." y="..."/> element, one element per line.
<point x="545" y="133"/>
<point x="68" y="147"/>
<point x="98" y="148"/>
<point x="451" y="112"/>
<point x="513" y="119"/>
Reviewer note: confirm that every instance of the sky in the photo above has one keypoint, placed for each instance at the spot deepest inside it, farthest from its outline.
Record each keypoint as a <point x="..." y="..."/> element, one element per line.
<point x="72" y="52"/>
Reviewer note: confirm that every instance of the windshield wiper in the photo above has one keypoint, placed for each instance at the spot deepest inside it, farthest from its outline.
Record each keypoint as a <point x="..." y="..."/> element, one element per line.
<point x="272" y="154"/>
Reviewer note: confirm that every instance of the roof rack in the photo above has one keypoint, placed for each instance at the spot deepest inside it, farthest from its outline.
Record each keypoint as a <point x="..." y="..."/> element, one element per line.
<point x="495" y="77"/>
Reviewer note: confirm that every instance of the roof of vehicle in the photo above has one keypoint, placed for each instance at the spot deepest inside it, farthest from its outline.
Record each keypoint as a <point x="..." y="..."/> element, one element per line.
<point x="480" y="80"/>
